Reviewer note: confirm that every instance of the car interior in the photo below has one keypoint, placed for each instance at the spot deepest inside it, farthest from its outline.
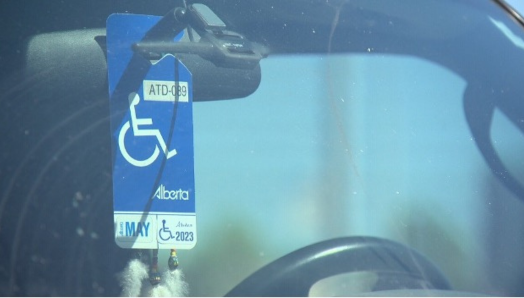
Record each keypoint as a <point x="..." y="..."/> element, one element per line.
<point x="341" y="148"/>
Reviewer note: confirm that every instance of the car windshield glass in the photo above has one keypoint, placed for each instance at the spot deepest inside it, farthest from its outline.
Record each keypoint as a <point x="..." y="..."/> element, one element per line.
<point x="400" y="122"/>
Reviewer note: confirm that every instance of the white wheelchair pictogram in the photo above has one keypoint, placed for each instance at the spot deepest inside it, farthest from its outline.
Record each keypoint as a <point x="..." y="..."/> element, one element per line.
<point x="134" y="99"/>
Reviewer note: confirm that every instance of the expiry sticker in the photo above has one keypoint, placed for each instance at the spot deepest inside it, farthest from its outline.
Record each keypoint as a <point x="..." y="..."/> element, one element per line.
<point x="152" y="140"/>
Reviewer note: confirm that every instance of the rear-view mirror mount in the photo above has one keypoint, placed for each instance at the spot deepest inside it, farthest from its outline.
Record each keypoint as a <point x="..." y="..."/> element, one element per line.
<point x="224" y="64"/>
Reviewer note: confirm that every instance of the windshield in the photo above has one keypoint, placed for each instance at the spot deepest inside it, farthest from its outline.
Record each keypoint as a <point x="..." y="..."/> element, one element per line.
<point x="373" y="126"/>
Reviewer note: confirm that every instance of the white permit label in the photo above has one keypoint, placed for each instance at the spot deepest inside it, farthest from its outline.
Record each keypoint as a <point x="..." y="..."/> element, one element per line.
<point x="165" y="91"/>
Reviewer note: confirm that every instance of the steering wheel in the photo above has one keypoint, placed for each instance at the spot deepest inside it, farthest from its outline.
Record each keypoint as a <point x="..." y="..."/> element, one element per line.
<point x="295" y="273"/>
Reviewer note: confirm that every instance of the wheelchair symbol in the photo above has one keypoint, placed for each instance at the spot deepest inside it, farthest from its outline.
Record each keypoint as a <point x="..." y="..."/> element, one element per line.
<point x="164" y="233"/>
<point x="134" y="99"/>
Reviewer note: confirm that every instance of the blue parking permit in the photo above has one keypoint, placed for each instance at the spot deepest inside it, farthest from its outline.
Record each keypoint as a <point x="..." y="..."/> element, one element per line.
<point x="152" y="140"/>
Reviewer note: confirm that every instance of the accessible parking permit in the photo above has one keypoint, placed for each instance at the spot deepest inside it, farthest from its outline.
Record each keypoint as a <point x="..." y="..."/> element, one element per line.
<point x="152" y="141"/>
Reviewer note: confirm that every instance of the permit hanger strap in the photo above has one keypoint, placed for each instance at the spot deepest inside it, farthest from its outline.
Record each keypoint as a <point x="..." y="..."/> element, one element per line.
<point x="217" y="44"/>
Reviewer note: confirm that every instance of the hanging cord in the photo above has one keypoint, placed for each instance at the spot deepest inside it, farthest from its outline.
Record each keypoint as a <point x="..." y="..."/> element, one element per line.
<point x="189" y="29"/>
<point x="154" y="276"/>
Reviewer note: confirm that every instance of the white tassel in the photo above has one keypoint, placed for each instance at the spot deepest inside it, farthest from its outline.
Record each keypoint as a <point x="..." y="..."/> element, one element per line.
<point x="135" y="282"/>
<point x="132" y="277"/>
